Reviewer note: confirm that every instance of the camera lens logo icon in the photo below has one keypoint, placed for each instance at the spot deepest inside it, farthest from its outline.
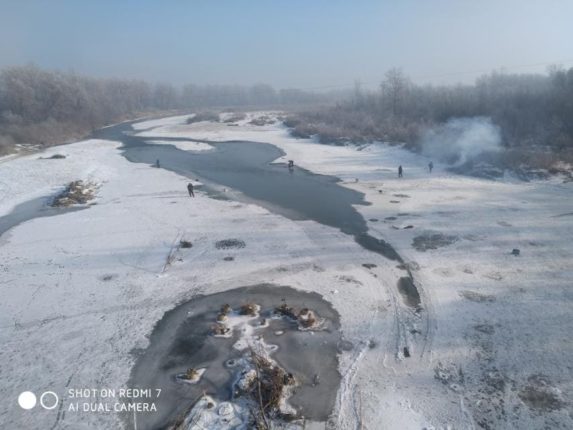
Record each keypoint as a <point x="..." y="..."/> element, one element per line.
<point x="27" y="400"/>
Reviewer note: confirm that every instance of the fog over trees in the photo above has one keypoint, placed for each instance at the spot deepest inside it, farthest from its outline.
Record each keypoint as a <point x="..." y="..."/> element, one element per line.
<point x="43" y="107"/>
<point x="534" y="112"/>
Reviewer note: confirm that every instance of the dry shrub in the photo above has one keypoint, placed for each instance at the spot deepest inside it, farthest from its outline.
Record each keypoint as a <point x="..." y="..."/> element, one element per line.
<point x="77" y="192"/>
<point x="286" y="310"/>
<point x="249" y="309"/>
<point x="270" y="386"/>
<point x="219" y="329"/>
<point x="203" y="116"/>
<point x="262" y="120"/>
<point x="185" y="244"/>
<point x="239" y="116"/>
<point x="306" y="318"/>
<point x="191" y="374"/>
<point x="341" y="126"/>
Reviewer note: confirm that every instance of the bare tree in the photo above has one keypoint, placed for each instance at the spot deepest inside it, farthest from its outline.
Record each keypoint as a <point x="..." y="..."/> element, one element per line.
<point x="394" y="88"/>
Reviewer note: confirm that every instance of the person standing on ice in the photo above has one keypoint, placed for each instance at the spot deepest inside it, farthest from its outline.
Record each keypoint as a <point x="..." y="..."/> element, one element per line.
<point x="190" y="189"/>
<point x="400" y="171"/>
<point x="431" y="166"/>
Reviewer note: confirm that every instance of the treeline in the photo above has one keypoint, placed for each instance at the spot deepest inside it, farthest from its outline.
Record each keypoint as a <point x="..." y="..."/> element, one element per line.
<point x="534" y="112"/>
<point x="195" y="96"/>
<point x="43" y="107"/>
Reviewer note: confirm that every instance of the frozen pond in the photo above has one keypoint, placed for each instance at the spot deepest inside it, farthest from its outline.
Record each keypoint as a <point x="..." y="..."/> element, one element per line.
<point x="183" y="338"/>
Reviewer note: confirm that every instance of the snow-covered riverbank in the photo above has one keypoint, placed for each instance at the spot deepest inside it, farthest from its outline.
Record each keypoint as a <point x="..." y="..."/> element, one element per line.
<point x="82" y="290"/>
<point x="493" y="342"/>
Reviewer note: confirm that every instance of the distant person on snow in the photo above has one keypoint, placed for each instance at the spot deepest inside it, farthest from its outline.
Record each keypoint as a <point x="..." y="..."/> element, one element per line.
<point x="431" y="166"/>
<point x="290" y="164"/>
<point x="157" y="163"/>
<point x="190" y="189"/>
<point x="400" y="171"/>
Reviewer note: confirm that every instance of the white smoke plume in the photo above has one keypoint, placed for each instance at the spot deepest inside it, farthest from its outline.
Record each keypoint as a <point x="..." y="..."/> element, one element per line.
<point x="461" y="139"/>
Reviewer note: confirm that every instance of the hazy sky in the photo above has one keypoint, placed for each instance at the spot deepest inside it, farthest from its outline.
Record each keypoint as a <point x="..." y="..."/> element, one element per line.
<point x="289" y="43"/>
